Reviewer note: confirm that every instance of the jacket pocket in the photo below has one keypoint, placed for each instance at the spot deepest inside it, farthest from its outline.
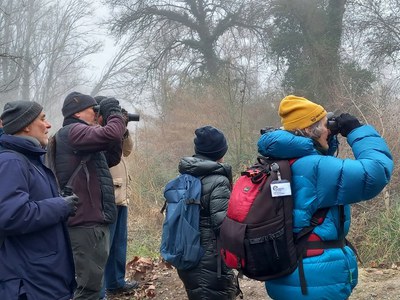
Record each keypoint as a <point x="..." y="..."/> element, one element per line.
<point x="118" y="190"/>
<point x="118" y="182"/>
<point x="41" y="244"/>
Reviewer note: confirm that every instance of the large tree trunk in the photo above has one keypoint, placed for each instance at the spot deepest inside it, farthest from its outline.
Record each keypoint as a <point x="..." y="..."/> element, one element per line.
<point x="319" y="32"/>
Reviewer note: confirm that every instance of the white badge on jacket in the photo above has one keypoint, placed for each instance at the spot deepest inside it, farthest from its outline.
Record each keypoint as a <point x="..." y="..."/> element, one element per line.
<point x="280" y="188"/>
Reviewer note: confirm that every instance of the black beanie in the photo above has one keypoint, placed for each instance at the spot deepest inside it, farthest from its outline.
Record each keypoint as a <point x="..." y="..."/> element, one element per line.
<point x="76" y="102"/>
<point x="19" y="114"/>
<point x="210" y="142"/>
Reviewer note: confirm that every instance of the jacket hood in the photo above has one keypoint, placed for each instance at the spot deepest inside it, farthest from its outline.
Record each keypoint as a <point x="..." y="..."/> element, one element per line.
<point x="21" y="144"/>
<point x="200" y="166"/>
<point x="285" y="145"/>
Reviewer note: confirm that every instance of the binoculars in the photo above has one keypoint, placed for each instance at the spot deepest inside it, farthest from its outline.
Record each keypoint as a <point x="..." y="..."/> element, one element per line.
<point x="333" y="125"/>
<point x="133" y="117"/>
<point x="66" y="191"/>
<point x="130" y="116"/>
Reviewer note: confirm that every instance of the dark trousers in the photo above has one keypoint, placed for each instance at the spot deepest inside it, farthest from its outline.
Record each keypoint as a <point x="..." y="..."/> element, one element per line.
<point x="90" y="246"/>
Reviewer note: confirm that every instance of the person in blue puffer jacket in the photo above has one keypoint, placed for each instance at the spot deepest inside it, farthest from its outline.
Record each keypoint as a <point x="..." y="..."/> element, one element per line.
<point x="320" y="180"/>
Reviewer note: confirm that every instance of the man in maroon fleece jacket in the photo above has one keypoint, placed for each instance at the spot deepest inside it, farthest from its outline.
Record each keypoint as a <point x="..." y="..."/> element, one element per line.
<point x="84" y="152"/>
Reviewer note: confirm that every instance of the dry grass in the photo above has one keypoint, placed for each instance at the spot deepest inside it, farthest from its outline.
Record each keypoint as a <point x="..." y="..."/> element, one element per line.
<point x="144" y="217"/>
<point x="377" y="234"/>
<point x="144" y="231"/>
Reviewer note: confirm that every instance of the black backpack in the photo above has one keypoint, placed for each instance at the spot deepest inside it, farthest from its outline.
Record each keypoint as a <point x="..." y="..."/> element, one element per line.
<point x="257" y="235"/>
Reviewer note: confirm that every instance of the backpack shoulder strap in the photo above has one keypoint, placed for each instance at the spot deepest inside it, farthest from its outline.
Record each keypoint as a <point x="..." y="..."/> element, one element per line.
<point x="51" y="163"/>
<point x="319" y="215"/>
<point x="81" y="165"/>
<point x="301" y="241"/>
<point x="50" y="156"/>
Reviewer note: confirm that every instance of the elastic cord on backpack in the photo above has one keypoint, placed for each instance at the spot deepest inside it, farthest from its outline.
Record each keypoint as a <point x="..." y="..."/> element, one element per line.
<point x="238" y="290"/>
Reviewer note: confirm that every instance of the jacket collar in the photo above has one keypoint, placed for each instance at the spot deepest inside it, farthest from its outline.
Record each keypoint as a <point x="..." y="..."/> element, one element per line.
<point x="24" y="145"/>
<point x="285" y="145"/>
<point x="72" y="120"/>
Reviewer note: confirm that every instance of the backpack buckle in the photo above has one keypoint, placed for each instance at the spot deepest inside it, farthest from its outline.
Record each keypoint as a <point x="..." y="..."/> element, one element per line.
<point x="314" y="221"/>
<point x="251" y="172"/>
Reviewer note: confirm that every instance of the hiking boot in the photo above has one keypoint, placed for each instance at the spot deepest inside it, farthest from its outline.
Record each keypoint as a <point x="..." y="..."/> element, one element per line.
<point x="128" y="287"/>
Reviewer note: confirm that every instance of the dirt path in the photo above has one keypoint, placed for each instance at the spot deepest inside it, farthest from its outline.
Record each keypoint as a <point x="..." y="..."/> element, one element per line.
<point x="162" y="283"/>
<point x="379" y="284"/>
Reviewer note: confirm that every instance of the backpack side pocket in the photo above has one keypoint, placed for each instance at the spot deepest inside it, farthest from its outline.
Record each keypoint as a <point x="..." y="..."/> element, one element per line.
<point x="232" y="236"/>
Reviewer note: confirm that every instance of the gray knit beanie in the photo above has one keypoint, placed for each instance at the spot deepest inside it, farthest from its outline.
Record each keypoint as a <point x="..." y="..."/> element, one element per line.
<point x="19" y="114"/>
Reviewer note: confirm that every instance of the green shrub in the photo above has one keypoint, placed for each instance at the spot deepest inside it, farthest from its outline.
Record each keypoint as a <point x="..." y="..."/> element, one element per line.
<point x="380" y="242"/>
<point x="143" y="244"/>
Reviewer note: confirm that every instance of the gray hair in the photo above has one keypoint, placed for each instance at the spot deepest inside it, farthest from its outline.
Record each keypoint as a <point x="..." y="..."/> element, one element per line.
<point x="315" y="130"/>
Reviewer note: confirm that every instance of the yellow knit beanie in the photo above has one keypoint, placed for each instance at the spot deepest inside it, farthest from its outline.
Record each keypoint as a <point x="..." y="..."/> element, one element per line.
<point x="299" y="113"/>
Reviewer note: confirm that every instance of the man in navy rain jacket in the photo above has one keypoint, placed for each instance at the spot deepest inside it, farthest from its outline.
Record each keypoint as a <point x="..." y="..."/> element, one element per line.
<point x="35" y="253"/>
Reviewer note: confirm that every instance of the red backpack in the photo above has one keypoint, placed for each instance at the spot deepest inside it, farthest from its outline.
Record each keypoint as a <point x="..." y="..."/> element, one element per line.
<point x="256" y="237"/>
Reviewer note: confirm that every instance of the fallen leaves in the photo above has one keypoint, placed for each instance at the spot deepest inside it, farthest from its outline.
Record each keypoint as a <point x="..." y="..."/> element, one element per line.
<point x="394" y="265"/>
<point x="146" y="271"/>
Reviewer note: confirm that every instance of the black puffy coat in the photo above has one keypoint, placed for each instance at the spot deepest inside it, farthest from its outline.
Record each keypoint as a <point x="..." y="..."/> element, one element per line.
<point x="202" y="282"/>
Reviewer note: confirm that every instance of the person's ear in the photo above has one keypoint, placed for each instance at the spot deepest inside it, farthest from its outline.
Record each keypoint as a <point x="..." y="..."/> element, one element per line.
<point x="308" y="131"/>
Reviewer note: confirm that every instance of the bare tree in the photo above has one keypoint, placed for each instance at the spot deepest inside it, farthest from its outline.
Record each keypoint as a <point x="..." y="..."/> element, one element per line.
<point x="379" y="21"/>
<point x="43" y="46"/>
<point x="307" y="38"/>
<point x="11" y="49"/>
<point x="190" y="33"/>
<point x="60" y="61"/>
<point x="121" y="73"/>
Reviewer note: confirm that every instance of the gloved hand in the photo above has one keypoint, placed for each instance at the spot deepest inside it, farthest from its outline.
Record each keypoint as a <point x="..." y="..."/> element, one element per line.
<point x="108" y="107"/>
<point x="347" y="123"/>
<point x="125" y="116"/>
<point x="72" y="202"/>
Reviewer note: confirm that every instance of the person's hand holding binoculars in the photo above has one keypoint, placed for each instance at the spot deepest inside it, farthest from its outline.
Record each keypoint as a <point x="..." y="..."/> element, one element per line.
<point x="108" y="107"/>
<point x="343" y="124"/>
<point x="347" y="123"/>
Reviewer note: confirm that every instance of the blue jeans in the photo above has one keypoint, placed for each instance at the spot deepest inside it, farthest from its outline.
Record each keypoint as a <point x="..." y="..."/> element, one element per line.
<point x="114" y="273"/>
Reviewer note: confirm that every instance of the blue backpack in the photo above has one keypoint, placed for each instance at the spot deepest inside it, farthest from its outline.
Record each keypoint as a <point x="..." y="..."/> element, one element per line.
<point x="180" y="240"/>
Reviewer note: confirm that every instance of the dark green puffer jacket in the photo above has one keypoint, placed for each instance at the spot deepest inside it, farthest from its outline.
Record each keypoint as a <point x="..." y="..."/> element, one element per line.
<point x="202" y="282"/>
